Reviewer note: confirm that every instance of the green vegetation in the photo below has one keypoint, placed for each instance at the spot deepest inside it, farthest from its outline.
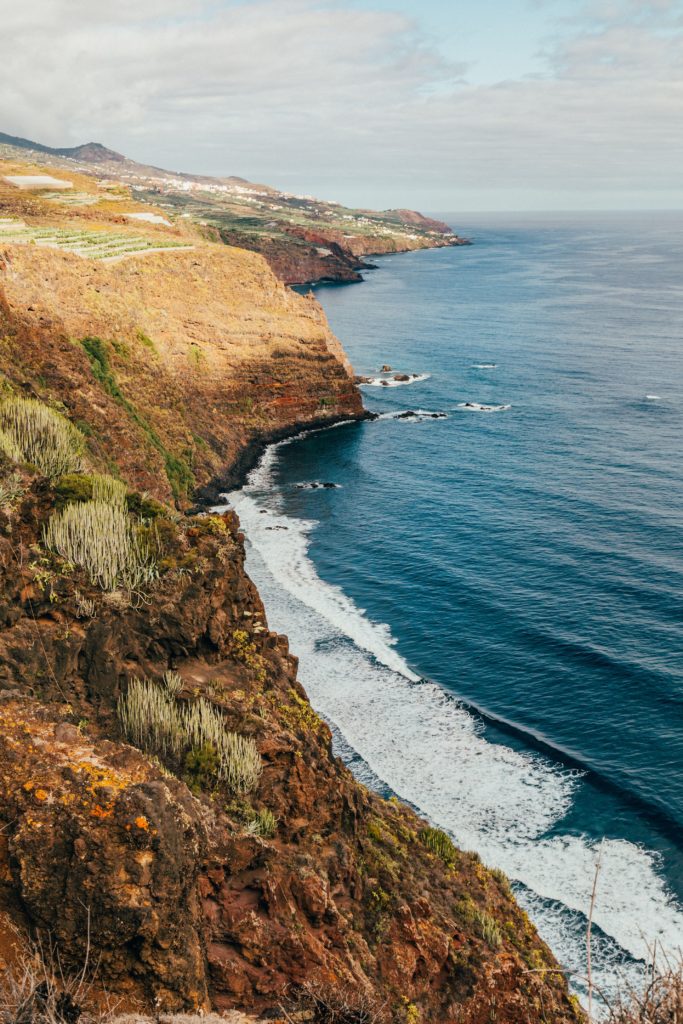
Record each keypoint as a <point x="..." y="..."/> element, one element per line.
<point x="201" y="766"/>
<point x="178" y="472"/>
<point x="263" y="823"/>
<point x="145" y="340"/>
<point x="32" y="432"/>
<point x="73" y="487"/>
<point x="152" y="719"/>
<point x="502" y="879"/>
<point x="244" y="648"/>
<point x="439" y="843"/>
<point x="95" y="244"/>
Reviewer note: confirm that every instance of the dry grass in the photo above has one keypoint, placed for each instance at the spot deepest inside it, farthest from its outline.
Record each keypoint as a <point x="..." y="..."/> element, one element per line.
<point x="335" y="1004"/>
<point x="38" y="990"/>
<point x="659" y="1001"/>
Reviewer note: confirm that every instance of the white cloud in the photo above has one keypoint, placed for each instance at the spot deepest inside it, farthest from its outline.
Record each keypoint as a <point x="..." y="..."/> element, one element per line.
<point x="353" y="103"/>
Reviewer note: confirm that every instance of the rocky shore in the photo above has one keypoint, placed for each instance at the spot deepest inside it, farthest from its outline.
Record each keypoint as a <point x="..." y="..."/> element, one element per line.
<point x="299" y="895"/>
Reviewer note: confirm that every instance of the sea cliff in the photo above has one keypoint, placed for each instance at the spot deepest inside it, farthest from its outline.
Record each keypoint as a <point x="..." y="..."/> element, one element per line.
<point x="296" y="892"/>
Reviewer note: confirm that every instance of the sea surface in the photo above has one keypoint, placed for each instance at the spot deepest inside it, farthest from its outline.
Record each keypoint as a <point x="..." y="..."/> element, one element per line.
<point x="488" y="607"/>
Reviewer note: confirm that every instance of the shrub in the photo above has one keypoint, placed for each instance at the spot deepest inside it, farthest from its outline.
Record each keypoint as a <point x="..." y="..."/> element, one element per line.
<point x="337" y="1002"/>
<point x="107" y="488"/>
<point x="38" y="989"/>
<point x="659" y="1000"/>
<point x="73" y="487"/>
<point x="264" y="824"/>
<point x="489" y="929"/>
<point x="11" y="489"/>
<point x="145" y="507"/>
<point x="152" y="720"/>
<point x="439" y="843"/>
<point x="239" y="760"/>
<point x="41" y="436"/>
<point x="101" y="539"/>
<point x="201" y="767"/>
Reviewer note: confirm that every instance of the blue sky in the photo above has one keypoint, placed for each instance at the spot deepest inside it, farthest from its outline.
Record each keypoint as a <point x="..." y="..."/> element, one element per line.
<point x="437" y="105"/>
<point x="499" y="40"/>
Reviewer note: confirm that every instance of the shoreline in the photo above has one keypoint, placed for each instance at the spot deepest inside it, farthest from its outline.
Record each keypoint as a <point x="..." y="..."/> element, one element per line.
<point x="564" y="758"/>
<point x="236" y="474"/>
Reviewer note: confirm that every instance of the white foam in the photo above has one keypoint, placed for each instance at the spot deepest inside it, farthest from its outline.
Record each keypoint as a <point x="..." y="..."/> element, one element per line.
<point x="481" y="407"/>
<point x="317" y="485"/>
<point x="391" y="382"/>
<point x="653" y="398"/>
<point x="413" y="415"/>
<point x="484" y="366"/>
<point x="433" y="752"/>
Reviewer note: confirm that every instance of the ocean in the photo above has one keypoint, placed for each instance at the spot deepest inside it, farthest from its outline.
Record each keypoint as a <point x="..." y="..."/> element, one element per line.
<point x="488" y="605"/>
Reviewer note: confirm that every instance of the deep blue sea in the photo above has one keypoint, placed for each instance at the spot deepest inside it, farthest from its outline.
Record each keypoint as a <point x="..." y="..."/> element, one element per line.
<point x="488" y="608"/>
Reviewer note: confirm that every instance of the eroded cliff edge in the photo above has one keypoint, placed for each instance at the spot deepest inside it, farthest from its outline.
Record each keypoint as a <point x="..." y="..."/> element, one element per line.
<point x="189" y="894"/>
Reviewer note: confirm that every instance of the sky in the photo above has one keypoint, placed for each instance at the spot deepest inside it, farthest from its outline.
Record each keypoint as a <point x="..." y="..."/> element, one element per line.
<point x="438" y="105"/>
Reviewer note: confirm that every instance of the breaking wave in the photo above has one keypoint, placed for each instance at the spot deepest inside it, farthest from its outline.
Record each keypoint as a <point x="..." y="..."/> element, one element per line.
<point x="482" y="407"/>
<point x="394" y="382"/>
<point x="431" y="749"/>
<point x="413" y="415"/>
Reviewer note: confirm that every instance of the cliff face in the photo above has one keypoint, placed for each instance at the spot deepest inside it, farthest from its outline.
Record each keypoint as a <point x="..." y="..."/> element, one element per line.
<point x="304" y="891"/>
<point x="305" y="256"/>
<point x="177" y="362"/>
<point x="185" y="904"/>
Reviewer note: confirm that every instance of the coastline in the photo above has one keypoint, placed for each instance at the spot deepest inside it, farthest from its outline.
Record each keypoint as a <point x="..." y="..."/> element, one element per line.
<point x="637" y="862"/>
<point x="236" y="474"/>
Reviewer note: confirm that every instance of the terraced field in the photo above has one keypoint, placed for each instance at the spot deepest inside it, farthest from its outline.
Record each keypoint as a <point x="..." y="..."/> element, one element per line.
<point x="93" y="244"/>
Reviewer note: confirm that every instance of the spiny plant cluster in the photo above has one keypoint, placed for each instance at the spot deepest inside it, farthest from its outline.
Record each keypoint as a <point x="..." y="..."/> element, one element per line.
<point x="100" y="537"/>
<point x="489" y="929"/>
<point x="152" y="719"/>
<point x="106" y="488"/>
<point x="440" y="844"/>
<point x="32" y="432"/>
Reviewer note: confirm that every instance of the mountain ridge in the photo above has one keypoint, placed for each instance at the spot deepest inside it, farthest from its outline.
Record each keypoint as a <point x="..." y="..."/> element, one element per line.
<point x="304" y="239"/>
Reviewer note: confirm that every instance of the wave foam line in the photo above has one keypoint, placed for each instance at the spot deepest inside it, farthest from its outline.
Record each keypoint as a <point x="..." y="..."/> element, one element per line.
<point x="429" y="748"/>
<point x="391" y="382"/>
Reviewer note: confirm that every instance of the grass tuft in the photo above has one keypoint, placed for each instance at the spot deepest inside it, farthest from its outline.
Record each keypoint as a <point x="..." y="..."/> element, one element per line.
<point x="489" y="929"/>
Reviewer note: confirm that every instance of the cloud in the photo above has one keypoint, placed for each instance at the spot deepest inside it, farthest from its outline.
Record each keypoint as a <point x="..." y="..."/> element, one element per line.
<point x="315" y="95"/>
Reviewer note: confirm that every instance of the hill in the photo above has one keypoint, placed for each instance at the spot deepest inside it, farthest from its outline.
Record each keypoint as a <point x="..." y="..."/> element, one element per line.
<point x="304" y="239"/>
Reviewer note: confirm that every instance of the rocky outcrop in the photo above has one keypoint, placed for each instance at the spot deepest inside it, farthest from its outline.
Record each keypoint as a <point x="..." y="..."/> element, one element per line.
<point x="300" y="261"/>
<point x="181" y="903"/>
<point x="180" y="363"/>
<point x="304" y="256"/>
